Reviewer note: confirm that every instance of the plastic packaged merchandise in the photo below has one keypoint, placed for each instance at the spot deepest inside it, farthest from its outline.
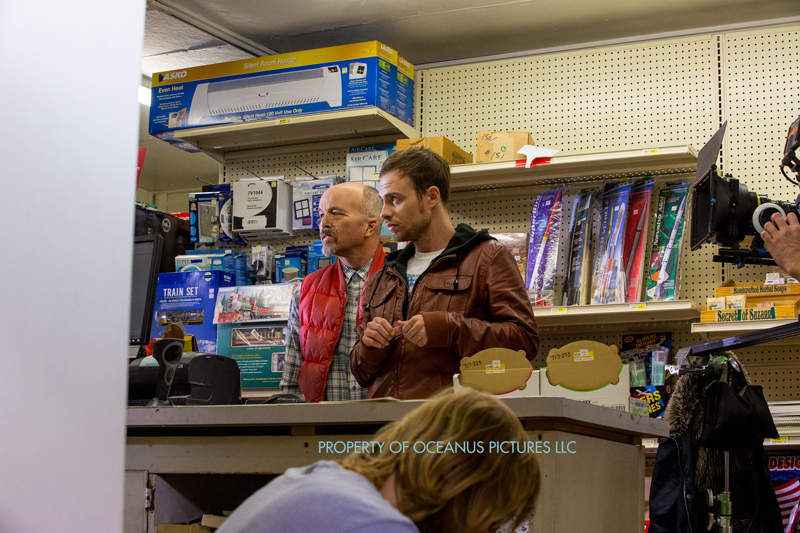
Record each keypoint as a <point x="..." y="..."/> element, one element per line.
<point x="577" y="268"/>
<point x="638" y="374"/>
<point x="608" y="276"/>
<point x="659" y="367"/>
<point x="635" y="237"/>
<point x="543" y="246"/>
<point x="663" y="283"/>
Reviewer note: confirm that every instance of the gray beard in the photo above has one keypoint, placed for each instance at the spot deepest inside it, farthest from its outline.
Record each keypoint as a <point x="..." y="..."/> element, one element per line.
<point x="329" y="248"/>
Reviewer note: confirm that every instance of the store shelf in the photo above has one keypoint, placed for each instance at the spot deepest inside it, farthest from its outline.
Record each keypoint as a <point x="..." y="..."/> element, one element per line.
<point x="363" y="124"/>
<point x="720" y="330"/>
<point x="629" y="313"/>
<point x="575" y="167"/>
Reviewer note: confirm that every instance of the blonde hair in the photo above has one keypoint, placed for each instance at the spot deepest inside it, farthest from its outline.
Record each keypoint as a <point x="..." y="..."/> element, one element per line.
<point x="468" y="486"/>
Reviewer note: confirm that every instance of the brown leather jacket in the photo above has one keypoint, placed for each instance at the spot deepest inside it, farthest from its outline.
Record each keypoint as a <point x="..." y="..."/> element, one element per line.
<point x="471" y="297"/>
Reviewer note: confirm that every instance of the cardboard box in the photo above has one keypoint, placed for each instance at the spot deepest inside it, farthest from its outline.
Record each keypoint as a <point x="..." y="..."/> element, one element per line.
<point x="276" y="87"/>
<point x="613" y="396"/>
<point x="501" y="145"/>
<point x="590" y="372"/>
<point x="262" y="206"/>
<point x="496" y="371"/>
<point x="405" y="91"/>
<point x="440" y="145"/>
<point x="531" y="387"/>
<point x="213" y="521"/>
<point x="183" y="528"/>
<point x="189" y="297"/>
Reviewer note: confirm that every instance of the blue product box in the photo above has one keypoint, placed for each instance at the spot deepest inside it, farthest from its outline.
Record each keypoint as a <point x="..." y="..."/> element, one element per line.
<point x="274" y="88"/>
<point x="259" y="350"/>
<point x="189" y="297"/>
<point x="276" y="272"/>
<point x="317" y="259"/>
<point x="204" y="217"/>
<point x="240" y="267"/>
<point x="225" y="203"/>
<point x="223" y="262"/>
<point x="294" y="257"/>
<point x="405" y="91"/>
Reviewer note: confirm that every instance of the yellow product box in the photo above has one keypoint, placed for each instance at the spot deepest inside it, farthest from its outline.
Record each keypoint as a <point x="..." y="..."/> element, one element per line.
<point x="440" y="145"/>
<point x="750" y="313"/>
<point x="502" y="145"/>
<point x="279" y="87"/>
<point x="730" y="288"/>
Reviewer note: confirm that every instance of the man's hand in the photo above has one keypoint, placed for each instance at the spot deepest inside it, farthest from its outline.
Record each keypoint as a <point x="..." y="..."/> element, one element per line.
<point x="379" y="333"/>
<point x="414" y="330"/>
<point x="782" y="237"/>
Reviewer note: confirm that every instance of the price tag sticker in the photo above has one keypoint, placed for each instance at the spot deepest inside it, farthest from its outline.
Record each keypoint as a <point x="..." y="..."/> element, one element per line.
<point x="496" y="368"/>
<point x="650" y="152"/>
<point x="649" y="443"/>
<point x="638" y="307"/>
<point x="558" y="311"/>
<point x="583" y="355"/>
<point x="283" y="121"/>
<point x="781" y="440"/>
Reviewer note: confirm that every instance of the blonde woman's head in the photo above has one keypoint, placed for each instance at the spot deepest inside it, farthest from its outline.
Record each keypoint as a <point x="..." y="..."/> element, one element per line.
<point x="451" y="477"/>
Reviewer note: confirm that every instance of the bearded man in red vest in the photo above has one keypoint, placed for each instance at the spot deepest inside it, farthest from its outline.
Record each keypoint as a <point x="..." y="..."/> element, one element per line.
<point x="325" y="312"/>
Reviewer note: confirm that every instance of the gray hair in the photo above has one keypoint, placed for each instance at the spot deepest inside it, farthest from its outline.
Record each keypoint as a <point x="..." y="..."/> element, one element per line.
<point x="372" y="205"/>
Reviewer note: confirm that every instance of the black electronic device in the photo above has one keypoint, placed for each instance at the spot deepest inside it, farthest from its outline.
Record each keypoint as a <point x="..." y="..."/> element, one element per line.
<point x="172" y="229"/>
<point x="168" y="354"/>
<point x="726" y="213"/>
<point x="146" y="262"/>
<point x="199" y="379"/>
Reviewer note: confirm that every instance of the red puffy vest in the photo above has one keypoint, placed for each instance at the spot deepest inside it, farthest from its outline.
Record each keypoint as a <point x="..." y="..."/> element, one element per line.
<point x="323" y="296"/>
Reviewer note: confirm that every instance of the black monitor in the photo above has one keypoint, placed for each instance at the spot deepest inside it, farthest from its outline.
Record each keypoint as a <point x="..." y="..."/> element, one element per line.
<point x="146" y="262"/>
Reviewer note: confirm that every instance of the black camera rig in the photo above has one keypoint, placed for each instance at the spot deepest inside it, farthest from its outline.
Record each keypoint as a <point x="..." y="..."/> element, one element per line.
<point x="725" y="213"/>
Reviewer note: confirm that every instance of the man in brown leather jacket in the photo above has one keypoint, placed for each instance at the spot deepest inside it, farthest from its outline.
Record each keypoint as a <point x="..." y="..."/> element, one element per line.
<point x="450" y="293"/>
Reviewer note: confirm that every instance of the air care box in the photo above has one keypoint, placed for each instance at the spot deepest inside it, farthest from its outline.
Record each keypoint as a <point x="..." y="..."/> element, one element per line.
<point x="262" y="206"/>
<point x="277" y="88"/>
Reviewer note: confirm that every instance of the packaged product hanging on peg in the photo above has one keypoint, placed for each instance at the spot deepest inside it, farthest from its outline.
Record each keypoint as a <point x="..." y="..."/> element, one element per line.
<point x="636" y="237"/>
<point x="578" y="266"/>
<point x="663" y="283"/>
<point x="608" y="277"/>
<point x="543" y="247"/>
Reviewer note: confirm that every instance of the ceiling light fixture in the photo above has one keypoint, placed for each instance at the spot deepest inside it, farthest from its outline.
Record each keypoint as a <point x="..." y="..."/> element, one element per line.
<point x="144" y="96"/>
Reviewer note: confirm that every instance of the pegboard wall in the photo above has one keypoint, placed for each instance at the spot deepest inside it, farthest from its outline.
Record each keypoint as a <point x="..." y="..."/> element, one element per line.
<point x="590" y="101"/>
<point x="647" y="95"/>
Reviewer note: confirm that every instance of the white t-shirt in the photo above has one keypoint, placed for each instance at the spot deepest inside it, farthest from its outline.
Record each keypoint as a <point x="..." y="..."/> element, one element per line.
<point x="417" y="265"/>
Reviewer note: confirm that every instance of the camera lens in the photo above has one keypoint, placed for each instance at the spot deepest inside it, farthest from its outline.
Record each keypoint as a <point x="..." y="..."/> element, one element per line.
<point x="763" y="214"/>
